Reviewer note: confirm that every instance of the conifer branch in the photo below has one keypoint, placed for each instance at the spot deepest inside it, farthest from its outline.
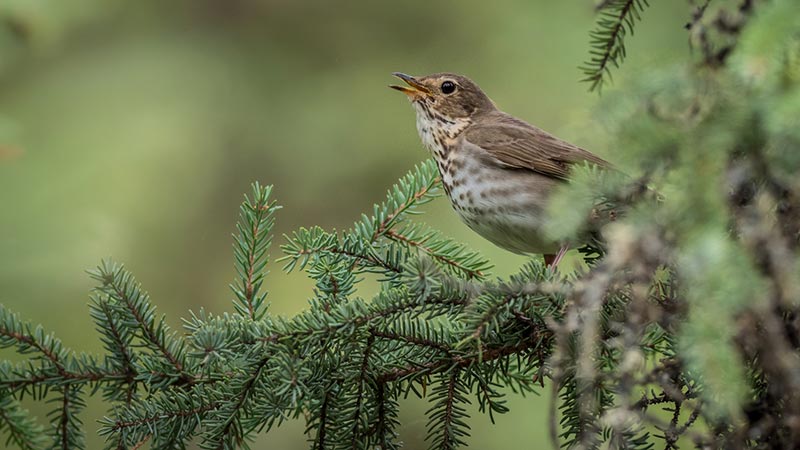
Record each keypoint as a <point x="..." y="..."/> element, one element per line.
<point x="149" y="420"/>
<point x="617" y="19"/>
<point x="256" y="219"/>
<point x="20" y="428"/>
<point x="447" y="429"/>
<point x="141" y="443"/>
<point x="382" y="428"/>
<point x="437" y="366"/>
<point x="231" y="429"/>
<point x="125" y="292"/>
<point x="412" y="340"/>
<point x="445" y="251"/>
<point x="323" y="422"/>
<point x="68" y="427"/>
<point x="28" y="339"/>
<point x="355" y="433"/>
<point x="44" y="376"/>
<point x="118" y="342"/>
<point x="415" y="189"/>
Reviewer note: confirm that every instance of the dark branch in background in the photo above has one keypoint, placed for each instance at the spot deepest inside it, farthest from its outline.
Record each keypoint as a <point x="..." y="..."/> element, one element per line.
<point x="716" y="35"/>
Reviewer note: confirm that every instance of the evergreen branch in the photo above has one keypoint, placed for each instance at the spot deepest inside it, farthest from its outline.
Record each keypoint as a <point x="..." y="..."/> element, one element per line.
<point x="141" y="443"/>
<point x="44" y="377"/>
<point x="146" y="419"/>
<point x="227" y="427"/>
<point x="488" y="397"/>
<point x="355" y="314"/>
<point x="334" y="280"/>
<point x="315" y="242"/>
<point x="361" y="243"/>
<point x="617" y="18"/>
<point x="117" y="341"/>
<point x="442" y="250"/>
<point x="68" y="426"/>
<point x="418" y="187"/>
<point x="360" y="380"/>
<point x="64" y="421"/>
<point x="446" y="427"/>
<point x="411" y="339"/>
<point x="439" y="365"/>
<point x="496" y="305"/>
<point x="13" y="331"/>
<point x="323" y="422"/>
<point x="125" y="291"/>
<point x="256" y="219"/>
<point x="382" y="419"/>
<point x="22" y="430"/>
<point x="387" y="419"/>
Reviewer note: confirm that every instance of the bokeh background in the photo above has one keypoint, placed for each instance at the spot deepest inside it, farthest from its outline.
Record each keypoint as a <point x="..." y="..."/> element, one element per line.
<point x="131" y="129"/>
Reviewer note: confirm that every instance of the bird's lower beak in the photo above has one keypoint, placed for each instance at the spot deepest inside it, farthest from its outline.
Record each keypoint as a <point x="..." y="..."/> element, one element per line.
<point x="415" y="89"/>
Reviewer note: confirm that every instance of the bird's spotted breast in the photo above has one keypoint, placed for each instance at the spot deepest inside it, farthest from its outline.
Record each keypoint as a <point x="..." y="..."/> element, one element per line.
<point x="501" y="207"/>
<point x="498" y="204"/>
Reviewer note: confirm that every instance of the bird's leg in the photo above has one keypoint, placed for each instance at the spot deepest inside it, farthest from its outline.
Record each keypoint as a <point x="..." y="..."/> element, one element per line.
<point x="553" y="260"/>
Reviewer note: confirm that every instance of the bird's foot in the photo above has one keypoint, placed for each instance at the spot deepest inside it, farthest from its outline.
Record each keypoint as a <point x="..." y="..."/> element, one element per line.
<point x="553" y="260"/>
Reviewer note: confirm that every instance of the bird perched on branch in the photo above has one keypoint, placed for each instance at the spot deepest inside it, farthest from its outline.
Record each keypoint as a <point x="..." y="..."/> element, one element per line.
<point x="498" y="171"/>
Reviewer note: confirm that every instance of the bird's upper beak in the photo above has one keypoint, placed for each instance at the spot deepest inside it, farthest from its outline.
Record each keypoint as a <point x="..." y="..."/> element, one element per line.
<point x="415" y="89"/>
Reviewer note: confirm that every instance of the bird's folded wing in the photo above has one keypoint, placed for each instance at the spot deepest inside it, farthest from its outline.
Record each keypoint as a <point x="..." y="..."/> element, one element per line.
<point x="516" y="144"/>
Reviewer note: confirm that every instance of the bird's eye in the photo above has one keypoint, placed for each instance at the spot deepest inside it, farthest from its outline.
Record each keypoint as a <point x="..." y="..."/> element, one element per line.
<point x="448" y="87"/>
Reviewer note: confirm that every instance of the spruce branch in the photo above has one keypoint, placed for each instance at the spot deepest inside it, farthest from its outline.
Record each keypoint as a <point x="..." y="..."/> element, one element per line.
<point x="167" y="417"/>
<point x="117" y="340"/>
<point x="446" y="427"/>
<point x="616" y="20"/>
<point x="361" y="379"/>
<point x="22" y="430"/>
<point x="256" y="219"/>
<point x="67" y="424"/>
<point x="25" y="378"/>
<point x="417" y="188"/>
<point x="125" y="294"/>
<point x="445" y="251"/>
<point x="439" y="365"/>
<point x="387" y="419"/>
<point x="28" y="339"/>
<point x="322" y="430"/>
<point x="413" y="338"/>
<point x="313" y="246"/>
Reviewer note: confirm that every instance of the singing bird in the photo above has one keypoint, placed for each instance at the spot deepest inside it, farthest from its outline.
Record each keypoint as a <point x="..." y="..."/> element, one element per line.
<point x="498" y="171"/>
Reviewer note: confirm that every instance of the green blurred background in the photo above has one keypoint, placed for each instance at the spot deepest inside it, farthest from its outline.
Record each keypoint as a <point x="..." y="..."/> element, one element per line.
<point x="131" y="129"/>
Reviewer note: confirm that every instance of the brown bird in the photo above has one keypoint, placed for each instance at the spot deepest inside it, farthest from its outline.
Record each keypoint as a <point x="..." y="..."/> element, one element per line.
<point x="498" y="171"/>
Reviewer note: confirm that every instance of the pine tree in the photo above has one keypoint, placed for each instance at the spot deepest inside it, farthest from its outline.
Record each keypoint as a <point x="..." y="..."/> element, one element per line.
<point x="688" y="302"/>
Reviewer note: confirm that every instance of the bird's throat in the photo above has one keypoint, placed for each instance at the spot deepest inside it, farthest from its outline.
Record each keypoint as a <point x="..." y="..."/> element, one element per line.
<point x="438" y="132"/>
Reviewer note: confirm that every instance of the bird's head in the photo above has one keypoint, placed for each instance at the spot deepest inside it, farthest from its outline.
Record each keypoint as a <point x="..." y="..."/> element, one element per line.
<point x="450" y="95"/>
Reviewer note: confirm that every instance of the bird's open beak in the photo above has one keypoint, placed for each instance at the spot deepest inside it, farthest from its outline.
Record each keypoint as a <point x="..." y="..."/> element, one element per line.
<point x="414" y="89"/>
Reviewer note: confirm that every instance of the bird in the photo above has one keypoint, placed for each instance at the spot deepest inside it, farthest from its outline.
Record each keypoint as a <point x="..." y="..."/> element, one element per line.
<point x="498" y="171"/>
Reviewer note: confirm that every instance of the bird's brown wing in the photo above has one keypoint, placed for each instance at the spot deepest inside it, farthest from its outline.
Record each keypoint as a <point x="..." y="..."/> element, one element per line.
<point x="516" y="144"/>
